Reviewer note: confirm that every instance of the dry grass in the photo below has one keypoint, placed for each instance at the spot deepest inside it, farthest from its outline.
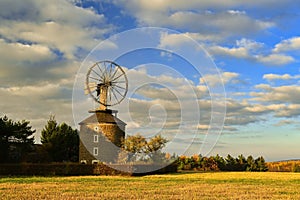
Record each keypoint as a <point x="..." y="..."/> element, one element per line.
<point x="222" y="185"/>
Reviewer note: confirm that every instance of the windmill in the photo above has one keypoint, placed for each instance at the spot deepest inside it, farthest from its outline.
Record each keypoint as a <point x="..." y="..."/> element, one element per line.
<point x="101" y="133"/>
<point x="106" y="83"/>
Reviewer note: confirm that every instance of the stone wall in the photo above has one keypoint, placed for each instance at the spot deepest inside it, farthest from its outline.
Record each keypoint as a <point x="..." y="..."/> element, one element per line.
<point x="108" y="143"/>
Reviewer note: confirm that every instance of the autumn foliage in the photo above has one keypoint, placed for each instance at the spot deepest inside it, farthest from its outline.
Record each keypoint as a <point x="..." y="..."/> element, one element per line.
<point x="284" y="166"/>
<point x="218" y="163"/>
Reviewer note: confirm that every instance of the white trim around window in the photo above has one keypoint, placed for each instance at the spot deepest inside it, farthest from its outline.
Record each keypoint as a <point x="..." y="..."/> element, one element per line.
<point x="95" y="151"/>
<point x="96" y="138"/>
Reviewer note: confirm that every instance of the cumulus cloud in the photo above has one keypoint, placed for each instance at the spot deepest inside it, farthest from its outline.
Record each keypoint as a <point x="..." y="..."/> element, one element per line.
<point x="173" y="40"/>
<point x="272" y="77"/>
<point x="291" y="44"/>
<point x="224" y="77"/>
<point x="240" y="52"/>
<point x="24" y="52"/>
<point x="275" y="59"/>
<point x="59" y="26"/>
<point x="289" y="111"/>
<point x="211" y="17"/>
<point x="251" y="50"/>
<point x="280" y="94"/>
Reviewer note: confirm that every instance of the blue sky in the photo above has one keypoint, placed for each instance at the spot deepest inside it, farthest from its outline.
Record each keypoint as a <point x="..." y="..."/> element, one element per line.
<point x="254" y="44"/>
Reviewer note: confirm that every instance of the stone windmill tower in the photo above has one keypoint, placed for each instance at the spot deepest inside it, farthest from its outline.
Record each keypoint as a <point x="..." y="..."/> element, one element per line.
<point x="102" y="132"/>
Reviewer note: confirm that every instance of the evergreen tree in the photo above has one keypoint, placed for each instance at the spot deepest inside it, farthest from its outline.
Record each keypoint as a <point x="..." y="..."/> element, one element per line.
<point x="241" y="162"/>
<point x="49" y="130"/>
<point x="220" y="162"/>
<point x="16" y="140"/>
<point x="231" y="163"/>
<point x="60" y="141"/>
<point x="261" y="164"/>
<point x="251" y="166"/>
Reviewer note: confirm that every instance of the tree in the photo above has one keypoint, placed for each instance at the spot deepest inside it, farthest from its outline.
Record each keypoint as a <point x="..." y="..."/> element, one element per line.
<point x="141" y="149"/>
<point x="49" y="130"/>
<point x="231" y="163"/>
<point x="241" y="162"/>
<point x="261" y="164"/>
<point x="220" y="162"/>
<point x="16" y="139"/>
<point x="251" y="166"/>
<point x="60" y="141"/>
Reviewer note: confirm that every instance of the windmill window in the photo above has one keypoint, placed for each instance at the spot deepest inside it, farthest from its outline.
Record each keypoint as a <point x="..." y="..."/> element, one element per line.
<point x="96" y="138"/>
<point x="96" y="128"/>
<point x="95" y="151"/>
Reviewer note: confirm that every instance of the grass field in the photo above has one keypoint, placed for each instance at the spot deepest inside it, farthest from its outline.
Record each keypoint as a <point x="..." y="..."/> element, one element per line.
<point x="218" y="185"/>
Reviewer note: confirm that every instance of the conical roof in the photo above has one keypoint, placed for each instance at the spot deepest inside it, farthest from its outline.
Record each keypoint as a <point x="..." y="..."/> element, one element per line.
<point x="102" y="116"/>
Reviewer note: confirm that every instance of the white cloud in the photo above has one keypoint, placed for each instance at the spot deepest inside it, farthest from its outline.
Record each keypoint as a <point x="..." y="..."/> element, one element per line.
<point x="250" y="45"/>
<point x="224" y="77"/>
<point x="24" y="52"/>
<point x="204" y="17"/>
<point x="275" y="59"/>
<point x="173" y="40"/>
<point x="62" y="37"/>
<point x="272" y="77"/>
<point x="249" y="49"/>
<point x="292" y="110"/>
<point x="291" y="44"/>
<point x="240" y="52"/>
<point x="59" y="25"/>
<point x="281" y="94"/>
<point x="158" y="5"/>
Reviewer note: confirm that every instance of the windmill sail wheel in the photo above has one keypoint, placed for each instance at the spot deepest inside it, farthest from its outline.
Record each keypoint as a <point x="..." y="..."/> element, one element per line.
<point x="107" y="83"/>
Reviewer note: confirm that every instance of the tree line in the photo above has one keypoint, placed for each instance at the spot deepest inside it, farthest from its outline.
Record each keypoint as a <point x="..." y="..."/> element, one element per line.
<point x="60" y="143"/>
<point x="218" y="163"/>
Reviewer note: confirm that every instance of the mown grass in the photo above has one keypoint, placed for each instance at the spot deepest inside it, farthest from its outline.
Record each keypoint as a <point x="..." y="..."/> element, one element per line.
<point x="220" y="185"/>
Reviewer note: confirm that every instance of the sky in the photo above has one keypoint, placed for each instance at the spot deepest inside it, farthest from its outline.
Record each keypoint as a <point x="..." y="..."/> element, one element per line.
<point x="183" y="59"/>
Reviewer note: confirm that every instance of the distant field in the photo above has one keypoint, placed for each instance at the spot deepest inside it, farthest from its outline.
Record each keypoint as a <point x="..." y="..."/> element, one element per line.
<point x="218" y="185"/>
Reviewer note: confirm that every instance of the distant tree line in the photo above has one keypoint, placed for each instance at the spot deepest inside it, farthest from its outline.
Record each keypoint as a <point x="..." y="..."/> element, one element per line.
<point x="218" y="163"/>
<point x="284" y="166"/>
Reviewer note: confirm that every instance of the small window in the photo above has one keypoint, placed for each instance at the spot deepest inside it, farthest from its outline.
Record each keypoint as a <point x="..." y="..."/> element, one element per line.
<point x="96" y="128"/>
<point x="83" y="162"/>
<point x="96" y="138"/>
<point x="95" y="151"/>
<point x="95" y="161"/>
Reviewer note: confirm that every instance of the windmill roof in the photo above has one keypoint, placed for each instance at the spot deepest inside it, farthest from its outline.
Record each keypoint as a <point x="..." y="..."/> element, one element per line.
<point x="102" y="117"/>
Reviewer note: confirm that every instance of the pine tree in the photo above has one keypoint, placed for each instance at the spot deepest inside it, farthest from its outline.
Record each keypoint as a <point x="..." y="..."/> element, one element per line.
<point x="49" y="130"/>
<point x="16" y="139"/>
<point x="60" y="141"/>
